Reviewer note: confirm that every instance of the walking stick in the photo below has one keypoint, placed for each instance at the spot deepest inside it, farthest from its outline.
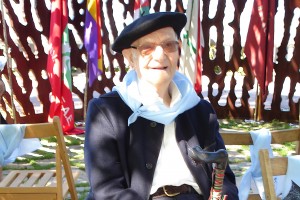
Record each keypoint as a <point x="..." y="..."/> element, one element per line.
<point x="220" y="158"/>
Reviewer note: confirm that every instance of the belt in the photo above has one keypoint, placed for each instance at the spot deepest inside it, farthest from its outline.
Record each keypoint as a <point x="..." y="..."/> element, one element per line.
<point x="171" y="191"/>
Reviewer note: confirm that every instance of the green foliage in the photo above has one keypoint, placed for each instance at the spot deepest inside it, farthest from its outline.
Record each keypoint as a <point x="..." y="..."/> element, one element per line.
<point x="37" y="155"/>
<point x="73" y="140"/>
<point x="37" y="166"/>
<point x="284" y="149"/>
<point x="244" y="125"/>
<point x="50" y="139"/>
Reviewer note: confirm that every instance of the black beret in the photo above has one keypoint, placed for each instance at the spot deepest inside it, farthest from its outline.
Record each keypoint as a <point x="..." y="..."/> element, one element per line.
<point x="147" y="24"/>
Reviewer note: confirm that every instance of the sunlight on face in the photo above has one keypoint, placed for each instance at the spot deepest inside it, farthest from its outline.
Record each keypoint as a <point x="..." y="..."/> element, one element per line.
<point x="158" y="67"/>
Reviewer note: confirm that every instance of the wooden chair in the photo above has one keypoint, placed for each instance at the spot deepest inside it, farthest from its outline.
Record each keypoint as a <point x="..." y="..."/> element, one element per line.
<point x="278" y="137"/>
<point x="42" y="184"/>
<point x="271" y="167"/>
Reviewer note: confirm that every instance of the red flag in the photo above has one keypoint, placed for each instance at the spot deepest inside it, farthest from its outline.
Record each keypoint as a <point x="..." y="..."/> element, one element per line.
<point x="59" y="68"/>
<point x="260" y="41"/>
<point x="198" y="82"/>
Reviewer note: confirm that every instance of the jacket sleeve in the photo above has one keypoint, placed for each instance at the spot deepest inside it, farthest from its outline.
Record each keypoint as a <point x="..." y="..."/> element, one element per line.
<point x="102" y="158"/>
<point x="229" y="184"/>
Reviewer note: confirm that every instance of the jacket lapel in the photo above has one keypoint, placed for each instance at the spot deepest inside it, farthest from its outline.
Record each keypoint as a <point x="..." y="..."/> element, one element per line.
<point x="188" y="137"/>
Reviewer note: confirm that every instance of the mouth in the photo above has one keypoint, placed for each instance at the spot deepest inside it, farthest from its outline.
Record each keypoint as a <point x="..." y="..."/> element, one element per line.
<point x="159" y="68"/>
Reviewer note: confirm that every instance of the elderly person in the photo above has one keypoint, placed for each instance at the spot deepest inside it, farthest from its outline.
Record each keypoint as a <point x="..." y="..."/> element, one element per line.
<point x="137" y="136"/>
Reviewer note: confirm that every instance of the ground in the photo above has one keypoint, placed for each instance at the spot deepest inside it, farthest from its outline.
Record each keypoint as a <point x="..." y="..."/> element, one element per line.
<point x="239" y="159"/>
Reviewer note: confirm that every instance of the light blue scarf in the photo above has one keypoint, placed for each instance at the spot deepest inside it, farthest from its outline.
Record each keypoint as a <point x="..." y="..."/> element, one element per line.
<point x="261" y="140"/>
<point x="152" y="108"/>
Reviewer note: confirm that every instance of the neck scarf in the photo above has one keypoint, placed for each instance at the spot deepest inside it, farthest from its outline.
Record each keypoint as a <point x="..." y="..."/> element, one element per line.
<point x="153" y="108"/>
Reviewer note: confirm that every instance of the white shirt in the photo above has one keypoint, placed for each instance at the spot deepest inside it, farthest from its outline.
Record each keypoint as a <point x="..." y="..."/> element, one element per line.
<point x="171" y="168"/>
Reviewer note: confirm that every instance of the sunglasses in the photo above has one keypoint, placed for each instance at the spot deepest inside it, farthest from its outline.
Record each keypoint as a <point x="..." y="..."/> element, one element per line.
<point x="148" y="48"/>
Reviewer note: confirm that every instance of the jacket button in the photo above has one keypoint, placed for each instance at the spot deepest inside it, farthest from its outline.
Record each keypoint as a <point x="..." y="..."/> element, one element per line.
<point x="153" y="124"/>
<point x="149" y="165"/>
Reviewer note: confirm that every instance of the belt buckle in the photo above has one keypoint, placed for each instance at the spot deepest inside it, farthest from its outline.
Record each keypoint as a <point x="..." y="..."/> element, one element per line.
<point x="168" y="194"/>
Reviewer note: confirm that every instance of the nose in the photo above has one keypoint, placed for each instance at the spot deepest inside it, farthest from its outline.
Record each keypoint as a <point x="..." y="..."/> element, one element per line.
<point x="158" y="52"/>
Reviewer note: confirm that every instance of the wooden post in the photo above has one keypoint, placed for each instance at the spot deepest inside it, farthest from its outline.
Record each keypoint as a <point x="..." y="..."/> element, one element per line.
<point x="86" y="91"/>
<point x="257" y="104"/>
<point x="298" y="143"/>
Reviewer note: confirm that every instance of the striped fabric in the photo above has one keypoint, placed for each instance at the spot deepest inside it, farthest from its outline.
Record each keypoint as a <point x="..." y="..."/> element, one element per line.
<point x="141" y="7"/>
<point x="59" y="66"/>
<point x="190" y="61"/>
<point x="93" y="39"/>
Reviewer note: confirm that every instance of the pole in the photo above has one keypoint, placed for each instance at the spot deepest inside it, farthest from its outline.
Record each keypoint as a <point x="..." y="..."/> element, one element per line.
<point x="298" y="143"/>
<point x="86" y="91"/>
<point x="7" y="52"/>
<point x="257" y="104"/>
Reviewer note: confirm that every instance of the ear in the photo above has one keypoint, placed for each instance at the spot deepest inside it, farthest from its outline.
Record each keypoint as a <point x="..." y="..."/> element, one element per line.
<point x="127" y="53"/>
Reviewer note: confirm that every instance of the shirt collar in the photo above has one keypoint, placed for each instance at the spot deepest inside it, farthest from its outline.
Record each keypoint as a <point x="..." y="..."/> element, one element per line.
<point x="175" y="94"/>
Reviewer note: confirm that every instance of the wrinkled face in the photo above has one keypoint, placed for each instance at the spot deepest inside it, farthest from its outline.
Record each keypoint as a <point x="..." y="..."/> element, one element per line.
<point x="155" y="56"/>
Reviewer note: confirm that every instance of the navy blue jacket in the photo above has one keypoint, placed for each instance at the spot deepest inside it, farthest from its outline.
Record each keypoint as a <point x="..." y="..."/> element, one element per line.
<point x="120" y="160"/>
